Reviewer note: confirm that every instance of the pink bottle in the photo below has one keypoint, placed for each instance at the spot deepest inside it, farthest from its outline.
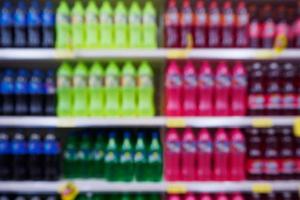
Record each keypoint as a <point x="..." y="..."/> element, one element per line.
<point x="268" y="27"/>
<point x="222" y="90"/>
<point x="174" y="197"/>
<point x="189" y="90"/>
<point x="173" y="90"/>
<point x="242" y="23"/>
<point x="221" y="196"/>
<point x="281" y="28"/>
<point x="206" y="90"/>
<point x="296" y="28"/>
<point x="221" y="155"/>
<point x="204" y="155"/>
<point x="205" y="197"/>
<point x="214" y="25"/>
<point x="237" y="155"/>
<point x="200" y="29"/>
<point x="239" y="90"/>
<point x="228" y="25"/>
<point x="188" y="155"/>
<point x="172" y="155"/>
<point x="171" y="21"/>
<point x="186" y="25"/>
<point x="189" y="196"/>
<point x="237" y="196"/>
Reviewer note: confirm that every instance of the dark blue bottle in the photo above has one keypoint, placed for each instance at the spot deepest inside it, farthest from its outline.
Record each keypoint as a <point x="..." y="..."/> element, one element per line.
<point x="50" y="93"/>
<point x="35" y="157"/>
<point x="52" y="157"/>
<point x="21" y="92"/>
<point x="7" y="92"/>
<point x="48" y="23"/>
<point x="20" y="25"/>
<point x="6" y="21"/>
<point x="34" y="23"/>
<point x="5" y="156"/>
<point x="36" y="91"/>
<point x="19" y="152"/>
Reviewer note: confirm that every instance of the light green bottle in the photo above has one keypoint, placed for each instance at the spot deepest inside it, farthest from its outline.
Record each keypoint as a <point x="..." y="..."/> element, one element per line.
<point x="63" y="26"/>
<point x="145" y="90"/>
<point x="126" y="159"/>
<point x="121" y="25"/>
<point x="96" y="90"/>
<point x="135" y="25"/>
<point x="64" y="91"/>
<point x="128" y="90"/>
<point x="112" y="90"/>
<point x="106" y="25"/>
<point x="78" y="25"/>
<point x="92" y="25"/>
<point x="80" y="81"/>
<point x="149" y="31"/>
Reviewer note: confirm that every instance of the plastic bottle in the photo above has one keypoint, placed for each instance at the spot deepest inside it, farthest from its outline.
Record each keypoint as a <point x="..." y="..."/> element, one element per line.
<point x="289" y="93"/>
<point x="5" y="156"/>
<point x="140" y="158"/>
<point x="186" y="25"/>
<point x="6" y="24"/>
<point x="80" y="88"/>
<point x="126" y="159"/>
<point x="121" y="25"/>
<point x="48" y="23"/>
<point x="297" y="157"/>
<point x="296" y="29"/>
<point x="189" y="150"/>
<point x="64" y="90"/>
<point x="228" y="20"/>
<point x="204" y="156"/>
<point x="281" y="29"/>
<point x="37" y="93"/>
<point x="63" y="26"/>
<point x="35" y="157"/>
<point x="51" y="150"/>
<point x="92" y="25"/>
<point x="145" y="90"/>
<point x="222" y="90"/>
<point x="172" y="156"/>
<point x="189" y="89"/>
<point x="271" y="155"/>
<point x="128" y="90"/>
<point x="135" y="25"/>
<point x="106" y="25"/>
<point x="7" y="92"/>
<point x="268" y="28"/>
<point x="214" y="25"/>
<point x="154" y="159"/>
<point x="254" y="28"/>
<point x="201" y="24"/>
<point x="242" y="25"/>
<point x="273" y="90"/>
<point x="149" y="27"/>
<point x="78" y="25"/>
<point x="205" y="196"/>
<point x="111" y="159"/>
<point x="22" y="92"/>
<point x="221" y="196"/>
<point x="221" y="156"/>
<point x="34" y="25"/>
<point x="50" y="93"/>
<point x="189" y="196"/>
<point x="206" y="90"/>
<point x="173" y="90"/>
<point x="239" y="89"/>
<point x="19" y="160"/>
<point x="171" y="22"/>
<point x="70" y="164"/>
<point x="98" y="157"/>
<point x="173" y="197"/>
<point x="85" y="157"/>
<point x="112" y="90"/>
<point x="96" y="90"/>
<point x="20" y="24"/>
<point x="237" y="196"/>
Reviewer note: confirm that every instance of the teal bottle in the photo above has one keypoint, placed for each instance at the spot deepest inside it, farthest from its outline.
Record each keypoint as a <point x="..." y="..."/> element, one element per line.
<point x="85" y="157"/>
<point x="111" y="159"/>
<point x="140" y="158"/>
<point x="98" y="157"/>
<point x="70" y="164"/>
<point x="154" y="168"/>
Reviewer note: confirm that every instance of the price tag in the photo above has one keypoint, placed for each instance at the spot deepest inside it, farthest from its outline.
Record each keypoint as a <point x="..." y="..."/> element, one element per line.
<point x="69" y="191"/>
<point x="176" y="123"/>
<point x="64" y="54"/>
<point x="280" y="44"/>
<point x="264" y="54"/>
<point x="262" y="188"/>
<point x="178" y="54"/>
<point x="176" y="188"/>
<point x="262" y="123"/>
<point x="297" y="127"/>
<point x="65" y="122"/>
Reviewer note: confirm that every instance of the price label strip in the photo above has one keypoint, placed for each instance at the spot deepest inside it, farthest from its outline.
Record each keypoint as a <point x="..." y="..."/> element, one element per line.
<point x="176" y="188"/>
<point x="176" y="122"/>
<point x="262" y="188"/>
<point x="262" y="122"/>
<point x="66" y="123"/>
<point x="64" y="54"/>
<point x="297" y="127"/>
<point x="69" y="191"/>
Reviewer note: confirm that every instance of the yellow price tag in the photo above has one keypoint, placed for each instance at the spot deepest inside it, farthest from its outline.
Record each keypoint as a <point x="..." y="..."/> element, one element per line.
<point x="264" y="54"/>
<point x="64" y="54"/>
<point x="297" y="127"/>
<point x="262" y="188"/>
<point x="262" y="123"/>
<point x="280" y="44"/>
<point x="65" y="122"/>
<point x="69" y="191"/>
<point x="176" y="123"/>
<point x="176" y="188"/>
<point x="178" y="54"/>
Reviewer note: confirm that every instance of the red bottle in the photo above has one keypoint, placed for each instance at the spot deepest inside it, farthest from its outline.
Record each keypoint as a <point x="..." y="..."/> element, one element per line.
<point x="206" y="90"/>
<point x="273" y="90"/>
<point x="173" y="90"/>
<point x="242" y="23"/>
<point x="205" y="197"/>
<point x="190" y="88"/>
<point x="221" y="196"/>
<point x="200" y="32"/>
<point x="172" y="156"/>
<point x="268" y="28"/>
<point x="228" y="20"/>
<point x="254" y="28"/>
<point x="171" y="20"/>
<point x="222" y="90"/>
<point x="296" y="28"/>
<point x="204" y="155"/>
<point x="189" y="149"/>
<point x="239" y="89"/>
<point x="221" y="156"/>
<point x="174" y="197"/>
<point x="271" y="155"/>
<point x="214" y="25"/>
<point x="189" y="196"/>
<point x="297" y="156"/>
<point x="289" y="93"/>
<point x="237" y="155"/>
<point x="237" y="196"/>
<point x="186" y="25"/>
<point x="282" y="29"/>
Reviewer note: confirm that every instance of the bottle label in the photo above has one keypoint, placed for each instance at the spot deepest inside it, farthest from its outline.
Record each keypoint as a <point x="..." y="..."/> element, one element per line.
<point x="120" y="18"/>
<point x="282" y="29"/>
<point x="112" y="81"/>
<point x="95" y="81"/>
<point x="91" y="18"/>
<point x="190" y="80"/>
<point x="106" y="18"/>
<point x="239" y="146"/>
<point x="242" y="19"/>
<point x="273" y="101"/>
<point x="206" y="81"/>
<point x="4" y="147"/>
<point x="135" y="19"/>
<point x="223" y="81"/>
<point x="214" y="18"/>
<point x="35" y="147"/>
<point x="20" y="18"/>
<point x="50" y="86"/>
<point x="287" y="166"/>
<point x="36" y="86"/>
<point x="189" y="146"/>
<point x="173" y="147"/>
<point x="140" y="156"/>
<point x="18" y="147"/>
<point x="128" y="81"/>
<point x="222" y="146"/>
<point x="173" y="81"/>
<point x="154" y="157"/>
<point x="254" y="29"/>
<point x="145" y="81"/>
<point x="110" y="156"/>
<point x="85" y="154"/>
<point x="201" y="17"/>
<point x="268" y="30"/>
<point x="256" y="101"/>
<point x="70" y="154"/>
<point x="289" y="101"/>
<point x="64" y="81"/>
<point x="187" y="17"/>
<point x="80" y="81"/>
<point x="239" y="81"/>
<point x="33" y="18"/>
<point x="255" y="166"/>
<point x="205" y="147"/>
<point x="62" y="19"/>
<point x="48" y="18"/>
<point x="271" y="167"/>
<point x="126" y="156"/>
<point x="297" y="28"/>
<point x="7" y="85"/>
<point x="171" y="18"/>
<point x="6" y="17"/>
<point x="21" y="86"/>
<point x="228" y="18"/>
<point x="98" y="155"/>
<point x="77" y="18"/>
<point x="52" y="147"/>
<point x="149" y="19"/>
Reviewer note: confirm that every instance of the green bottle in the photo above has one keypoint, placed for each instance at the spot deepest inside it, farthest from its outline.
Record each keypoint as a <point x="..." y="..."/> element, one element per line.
<point x="125" y="196"/>
<point x="64" y="91"/>
<point x="70" y="163"/>
<point x="106" y="25"/>
<point x="154" y="196"/>
<point x="98" y="157"/>
<point x="85" y="157"/>
<point x="154" y="169"/>
<point x="128" y="90"/>
<point x="121" y="26"/>
<point x="98" y="197"/>
<point x="140" y="158"/>
<point x="63" y="26"/>
<point x="92" y="25"/>
<point x="145" y="91"/>
<point x="140" y="196"/>
<point x="82" y="196"/>
<point x="126" y="159"/>
<point x="96" y="90"/>
<point x="112" y="90"/>
<point x="135" y="25"/>
<point x="149" y="30"/>
<point x="78" y="24"/>
<point x="80" y="81"/>
<point x="111" y="159"/>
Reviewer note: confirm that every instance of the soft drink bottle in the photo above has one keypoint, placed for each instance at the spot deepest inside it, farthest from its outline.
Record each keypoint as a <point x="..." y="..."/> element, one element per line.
<point x="281" y="29"/>
<point x="228" y="20"/>
<point x="92" y="25"/>
<point x="204" y="155"/>
<point x="254" y="28"/>
<point x="239" y="89"/>
<point x="121" y="25"/>
<point x="35" y="157"/>
<point x="48" y="23"/>
<point x="222" y="90"/>
<point x="237" y="155"/>
<point x="50" y="93"/>
<point x="140" y="158"/>
<point x="6" y="24"/>
<point x="96" y="90"/>
<point x="128" y="90"/>
<point x="20" y="197"/>
<point x="255" y="196"/>
<point x="63" y="26"/>
<point x="145" y="90"/>
<point x="188" y="155"/>
<point x="221" y="156"/>
<point x="268" y="28"/>
<point x="172" y="156"/>
<point x="19" y="159"/>
<point x="270" y="196"/>
<point x="214" y="25"/>
<point x="205" y="196"/>
<point x="5" y="156"/>
<point x="242" y="25"/>
<point x="237" y="196"/>
<point x="135" y="25"/>
<point x="34" y="23"/>
<point x="189" y="90"/>
<point x="20" y="24"/>
<point x="174" y="197"/>
<point x="37" y="93"/>
<point x="186" y="25"/>
<point x="64" y="90"/>
<point x="78" y="24"/>
<point x="273" y="97"/>
<point x="80" y="89"/>
<point x="289" y="93"/>
<point x="126" y="159"/>
<point x="221" y="196"/>
<point x="111" y="159"/>
<point x="98" y="157"/>
<point x="51" y="151"/>
<point x="200" y="26"/>
<point x="297" y="155"/>
<point x="173" y="90"/>
<point x="70" y="164"/>
<point x="155" y="162"/>
<point x="171" y="22"/>
<point x="22" y="92"/>
<point x="288" y="195"/>
<point x="296" y="28"/>
<point x="106" y="25"/>
<point x="291" y="13"/>
<point x="149" y="26"/>
<point x="189" y="196"/>
<point x="271" y="155"/>
<point x="206" y="90"/>
<point x="7" y="92"/>
<point x="112" y="90"/>
<point x="85" y="157"/>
